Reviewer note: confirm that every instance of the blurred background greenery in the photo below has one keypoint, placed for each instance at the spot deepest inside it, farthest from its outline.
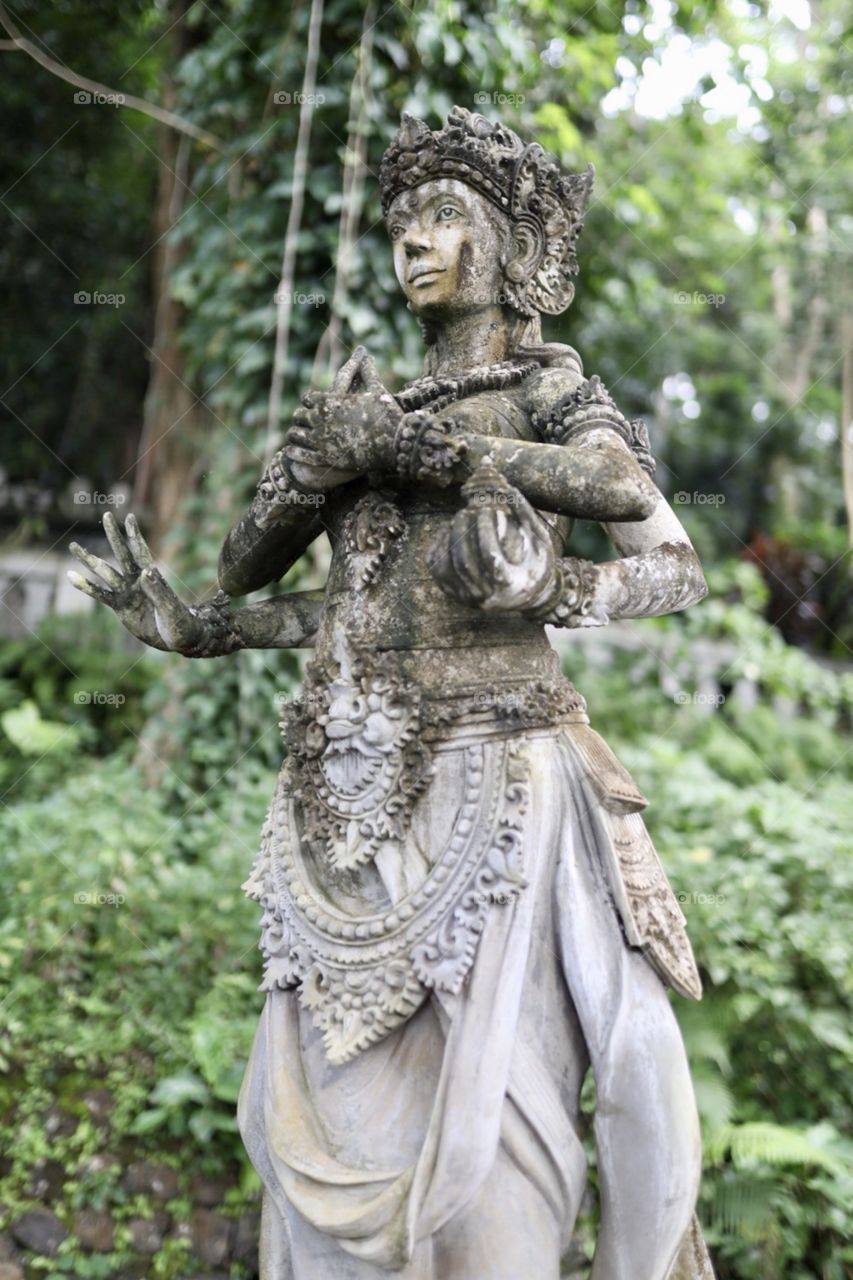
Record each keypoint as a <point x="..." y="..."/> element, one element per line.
<point x="715" y="271"/>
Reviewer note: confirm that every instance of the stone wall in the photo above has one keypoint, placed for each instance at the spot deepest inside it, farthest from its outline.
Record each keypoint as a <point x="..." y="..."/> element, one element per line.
<point x="216" y="1235"/>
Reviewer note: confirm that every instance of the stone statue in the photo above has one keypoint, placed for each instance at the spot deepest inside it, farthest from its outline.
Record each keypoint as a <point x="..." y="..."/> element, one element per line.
<point x="462" y="909"/>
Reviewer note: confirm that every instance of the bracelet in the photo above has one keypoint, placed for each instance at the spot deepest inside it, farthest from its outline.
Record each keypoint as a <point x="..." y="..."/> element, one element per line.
<point x="219" y="635"/>
<point x="424" y="448"/>
<point x="276" y="490"/>
<point x="573" y="593"/>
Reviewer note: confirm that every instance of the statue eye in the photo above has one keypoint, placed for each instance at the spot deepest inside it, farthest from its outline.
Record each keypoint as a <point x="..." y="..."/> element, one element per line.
<point x="396" y="231"/>
<point x="447" y="213"/>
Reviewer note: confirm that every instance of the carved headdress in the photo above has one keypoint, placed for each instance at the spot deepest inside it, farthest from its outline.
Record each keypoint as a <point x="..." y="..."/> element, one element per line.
<point x="521" y="179"/>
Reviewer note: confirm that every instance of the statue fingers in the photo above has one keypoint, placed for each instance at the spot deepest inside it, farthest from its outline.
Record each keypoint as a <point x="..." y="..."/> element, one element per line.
<point x="301" y="438"/>
<point x="92" y="589"/>
<point x="96" y="565"/>
<point x="345" y="379"/>
<point x="298" y="453"/>
<point x="441" y="567"/>
<point x="302" y="417"/>
<point x="468" y="564"/>
<point x="175" y="622"/>
<point x="139" y="548"/>
<point x="493" y="552"/>
<point x="370" y="379"/>
<point x="119" y="547"/>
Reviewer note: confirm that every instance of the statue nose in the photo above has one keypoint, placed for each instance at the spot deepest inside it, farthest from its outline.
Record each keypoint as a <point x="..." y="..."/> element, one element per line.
<point x="415" y="243"/>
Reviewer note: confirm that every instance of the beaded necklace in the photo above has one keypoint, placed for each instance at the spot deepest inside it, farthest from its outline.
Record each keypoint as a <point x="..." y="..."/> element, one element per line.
<point x="438" y="393"/>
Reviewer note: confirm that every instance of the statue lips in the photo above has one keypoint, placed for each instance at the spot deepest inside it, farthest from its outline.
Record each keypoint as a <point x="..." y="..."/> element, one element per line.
<point x="421" y="276"/>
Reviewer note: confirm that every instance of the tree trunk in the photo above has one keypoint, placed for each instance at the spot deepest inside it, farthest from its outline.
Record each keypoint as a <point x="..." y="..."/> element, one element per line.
<point x="172" y="413"/>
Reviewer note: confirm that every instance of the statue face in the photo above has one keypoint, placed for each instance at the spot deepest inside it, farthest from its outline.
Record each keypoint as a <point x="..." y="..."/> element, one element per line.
<point x="447" y="242"/>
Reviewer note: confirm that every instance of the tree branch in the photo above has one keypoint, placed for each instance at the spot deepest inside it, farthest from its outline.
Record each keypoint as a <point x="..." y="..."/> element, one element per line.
<point x="17" y="41"/>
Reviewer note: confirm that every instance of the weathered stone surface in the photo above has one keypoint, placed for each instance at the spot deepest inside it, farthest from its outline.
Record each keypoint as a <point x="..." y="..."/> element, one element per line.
<point x="99" y="1103"/>
<point x="40" y="1231"/>
<point x="47" y="1181"/>
<point x="145" y="1178"/>
<point x="209" y="1192"/>
<point x="147" y="1234"/>
<point x="100" y="1162"/>
<point x="211" y="1235"/>
<point x="58" y="1123"/>
<point x="246" y="1237"/>
<point x="11" y="1271"/>
<point x="95" y="1230"/>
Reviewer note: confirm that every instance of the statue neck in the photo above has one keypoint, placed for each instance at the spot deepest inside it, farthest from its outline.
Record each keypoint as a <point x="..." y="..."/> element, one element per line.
<point x="470" y="340"/>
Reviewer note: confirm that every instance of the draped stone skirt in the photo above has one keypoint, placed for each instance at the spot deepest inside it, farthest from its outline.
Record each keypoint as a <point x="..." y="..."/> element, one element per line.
<point x="412" y="1098"/>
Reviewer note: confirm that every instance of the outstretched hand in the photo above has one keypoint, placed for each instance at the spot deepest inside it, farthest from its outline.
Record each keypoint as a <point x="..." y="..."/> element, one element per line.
<point x="136" y="591"/>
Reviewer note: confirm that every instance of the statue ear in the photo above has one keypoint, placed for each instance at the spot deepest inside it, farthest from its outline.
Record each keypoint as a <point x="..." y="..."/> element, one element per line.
<point x="525" y="255"/>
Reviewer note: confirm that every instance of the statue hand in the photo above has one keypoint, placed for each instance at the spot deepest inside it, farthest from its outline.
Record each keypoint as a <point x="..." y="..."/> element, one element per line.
<point x="137" y="592"/>
<point x="340" y="432"/>
<point x="497" y="553"/>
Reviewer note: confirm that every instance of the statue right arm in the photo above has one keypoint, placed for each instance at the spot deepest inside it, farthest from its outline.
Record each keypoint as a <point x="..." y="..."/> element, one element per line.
<point x="145" y="604"/>
<point x="279" y="526"/>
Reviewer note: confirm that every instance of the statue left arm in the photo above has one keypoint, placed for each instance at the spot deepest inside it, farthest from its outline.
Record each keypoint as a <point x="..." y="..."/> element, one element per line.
<point x="498" y="554"/>
<point x="658" y="572"/>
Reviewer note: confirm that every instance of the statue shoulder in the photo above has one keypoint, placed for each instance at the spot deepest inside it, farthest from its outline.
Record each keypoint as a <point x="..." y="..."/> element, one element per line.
<point x="559" y="377"/>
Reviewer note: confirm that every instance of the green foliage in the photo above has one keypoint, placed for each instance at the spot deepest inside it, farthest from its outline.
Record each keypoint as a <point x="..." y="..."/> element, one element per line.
<point x="76" y="685"/>
<point x="126" y="967"/>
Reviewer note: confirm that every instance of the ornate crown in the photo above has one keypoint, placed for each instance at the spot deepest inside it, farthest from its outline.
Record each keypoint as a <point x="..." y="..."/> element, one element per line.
<point x="521" y="179"/>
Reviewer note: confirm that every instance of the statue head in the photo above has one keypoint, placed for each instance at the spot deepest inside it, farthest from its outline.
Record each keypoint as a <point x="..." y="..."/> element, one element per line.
<point x="478" y="217"/>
